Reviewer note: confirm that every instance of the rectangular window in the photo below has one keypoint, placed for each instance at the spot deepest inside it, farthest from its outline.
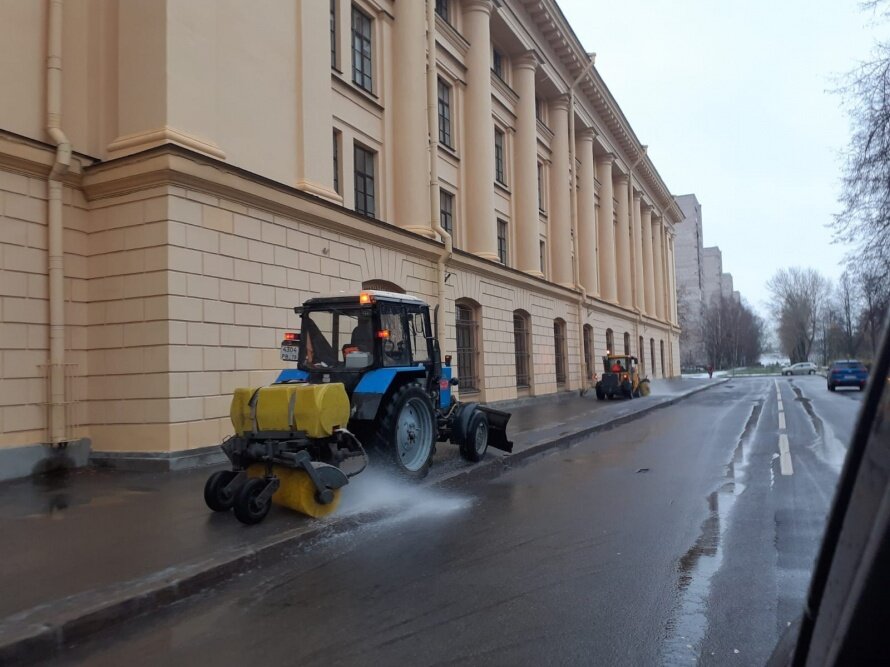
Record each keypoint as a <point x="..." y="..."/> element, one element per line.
<point x="502" y="241"/>
<point x="419" y="335"/>
<point x="336" y="149"/>
<point x="521" y="347"/>
<point x="543" y="250"/>
<point x="334" y="34"/>
<point x="499" y="174"/>
<point x="444" y="114"/>
<point x="539" y="109"/>
<point x="497" y="63"/>
<point x="467" y="349"/>
<point x="541" y="187"/>
<point x="362" y="65"/>
<point x="442" y="9"/>
<point x="446" y="210"/>
<point x="364" y="181"/>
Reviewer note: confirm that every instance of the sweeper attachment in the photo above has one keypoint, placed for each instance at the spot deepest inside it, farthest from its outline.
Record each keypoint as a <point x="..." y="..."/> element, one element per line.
<point x="368" y="374"/>
<point x="289" y="440"/>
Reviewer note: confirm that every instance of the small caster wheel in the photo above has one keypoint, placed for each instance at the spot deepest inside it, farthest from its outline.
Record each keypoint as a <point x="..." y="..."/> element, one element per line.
<point x="215" y="494"/>
<point x="247" y="509"/>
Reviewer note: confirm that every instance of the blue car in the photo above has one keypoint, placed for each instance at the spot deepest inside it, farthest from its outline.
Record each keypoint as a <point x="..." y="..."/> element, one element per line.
<point x="847" y="373"/>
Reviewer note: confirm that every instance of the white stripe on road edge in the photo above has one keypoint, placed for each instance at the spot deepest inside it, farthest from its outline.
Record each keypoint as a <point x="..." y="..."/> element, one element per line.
<point x="781" y="420"/>
<point x="785" y="455"/>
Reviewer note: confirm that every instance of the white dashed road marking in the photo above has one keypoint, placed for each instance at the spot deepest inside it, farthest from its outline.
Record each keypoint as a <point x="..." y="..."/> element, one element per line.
<point x="784" y="447"/>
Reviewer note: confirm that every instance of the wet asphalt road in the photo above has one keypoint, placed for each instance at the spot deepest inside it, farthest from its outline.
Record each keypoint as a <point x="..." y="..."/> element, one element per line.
<point x="675" y="539"/>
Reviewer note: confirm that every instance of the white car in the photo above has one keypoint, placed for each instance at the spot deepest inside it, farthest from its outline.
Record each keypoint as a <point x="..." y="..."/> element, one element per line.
<point x="803" y="368"/>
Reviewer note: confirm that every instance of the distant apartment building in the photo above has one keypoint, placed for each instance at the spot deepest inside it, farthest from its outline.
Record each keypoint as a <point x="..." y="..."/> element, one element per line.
<point x="690" y="279"/>
<point x="701" y="281"/>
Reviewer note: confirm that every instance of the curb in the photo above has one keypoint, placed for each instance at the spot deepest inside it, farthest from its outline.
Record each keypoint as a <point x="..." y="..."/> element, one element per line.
<point x="41" y="632"/>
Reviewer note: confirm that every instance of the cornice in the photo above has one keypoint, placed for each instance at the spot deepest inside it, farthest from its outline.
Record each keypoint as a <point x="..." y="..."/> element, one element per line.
<point x="175" y="165"/>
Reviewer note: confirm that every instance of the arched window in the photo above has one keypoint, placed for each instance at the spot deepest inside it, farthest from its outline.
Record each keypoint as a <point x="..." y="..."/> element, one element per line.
<point x="661" y="343"/>
<point x="383" y="286"/>
<point x="626" y="343"/>
<point x="642" y="348"/>
<point x="522" y="348"/>
<point x="467" y="349"/>
<point x="559" y="347"/>
<point x="610" y="342"/>
<point x="588" y="351"/>
<point x="652" y="354"/>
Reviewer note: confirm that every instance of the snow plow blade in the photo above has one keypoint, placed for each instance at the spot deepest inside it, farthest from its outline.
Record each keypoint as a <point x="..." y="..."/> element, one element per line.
<point x="497" y="429"/>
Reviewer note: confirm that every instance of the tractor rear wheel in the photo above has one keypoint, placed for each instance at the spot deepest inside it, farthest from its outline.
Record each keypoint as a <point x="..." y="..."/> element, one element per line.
<point x="475" y="442"/>
<point x="407" y="432"/>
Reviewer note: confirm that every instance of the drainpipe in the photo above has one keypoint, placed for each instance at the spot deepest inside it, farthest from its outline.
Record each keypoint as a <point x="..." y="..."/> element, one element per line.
<point x="55" y="225"/>
<point x="432" y="124"/>
<point x="576" y="260"/>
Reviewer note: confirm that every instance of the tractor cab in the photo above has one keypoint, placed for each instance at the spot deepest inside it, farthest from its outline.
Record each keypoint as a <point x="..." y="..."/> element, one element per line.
<point x="621" y="378"/>
<point x="343" y="338"/>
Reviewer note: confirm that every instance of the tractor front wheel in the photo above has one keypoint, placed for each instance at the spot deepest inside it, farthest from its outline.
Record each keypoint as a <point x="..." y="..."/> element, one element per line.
<point x="407" y="431"/>
<point x="475" y="442"/>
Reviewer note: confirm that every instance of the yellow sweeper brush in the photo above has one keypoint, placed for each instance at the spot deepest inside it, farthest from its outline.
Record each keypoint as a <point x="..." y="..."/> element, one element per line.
<point x="289" y="442"/>
<point x="297" y="491"/>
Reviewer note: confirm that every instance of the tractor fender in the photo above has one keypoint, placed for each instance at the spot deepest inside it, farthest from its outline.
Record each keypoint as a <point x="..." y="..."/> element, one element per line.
<point x="377" y="385"/>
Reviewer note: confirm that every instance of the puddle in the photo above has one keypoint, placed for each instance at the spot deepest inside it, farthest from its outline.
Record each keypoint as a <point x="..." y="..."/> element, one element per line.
<point x="687" y="625"/>
<point x="827" y="446"/>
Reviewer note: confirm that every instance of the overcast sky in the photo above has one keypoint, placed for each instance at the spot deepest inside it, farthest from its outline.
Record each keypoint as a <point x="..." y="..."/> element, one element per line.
<point x="734" y="99"/>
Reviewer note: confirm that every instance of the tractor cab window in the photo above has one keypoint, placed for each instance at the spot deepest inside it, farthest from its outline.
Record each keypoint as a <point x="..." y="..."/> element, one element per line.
<point x="341" y="339"/>
<point x="418" y="333"/>
<point x="393" y="335"/>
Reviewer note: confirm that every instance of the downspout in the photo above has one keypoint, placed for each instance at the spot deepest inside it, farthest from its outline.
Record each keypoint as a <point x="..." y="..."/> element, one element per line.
<point x="576" y="260"/>
<point x="432" y="124"/>
<point x="55" y="225"/>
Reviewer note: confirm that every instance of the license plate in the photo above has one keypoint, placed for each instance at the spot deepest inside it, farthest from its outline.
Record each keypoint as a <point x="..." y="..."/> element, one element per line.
<point x="849" y="377"/>
<point x="290" y="353"/>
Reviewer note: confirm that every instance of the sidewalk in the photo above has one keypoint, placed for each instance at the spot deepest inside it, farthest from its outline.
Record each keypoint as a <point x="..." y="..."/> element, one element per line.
<point x="101" y="545"/>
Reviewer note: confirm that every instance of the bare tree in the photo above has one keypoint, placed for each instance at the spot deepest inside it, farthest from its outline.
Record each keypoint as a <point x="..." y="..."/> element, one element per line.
<point x="864" y="219"/>
<point x="733" y="334"/>
<point x="847" y="302"/>
<point x="797" y="301"/>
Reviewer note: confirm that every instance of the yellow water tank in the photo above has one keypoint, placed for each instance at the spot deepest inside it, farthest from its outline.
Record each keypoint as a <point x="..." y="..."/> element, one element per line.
<point x="316" y="409"/>
<point x="320" y="408"/>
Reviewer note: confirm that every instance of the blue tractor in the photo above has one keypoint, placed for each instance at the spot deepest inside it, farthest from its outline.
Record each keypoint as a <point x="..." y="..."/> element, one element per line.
<point x="368" y="376"/>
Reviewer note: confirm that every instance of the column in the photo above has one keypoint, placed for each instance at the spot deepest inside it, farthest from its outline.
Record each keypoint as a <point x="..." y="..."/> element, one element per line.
<point x="560" y="234"/>
<point x="410" y="148"/>
<point x="673" y="282"/>
<point x="659" y="267"/>
<point x="605" y="229"/>
<point x="638" y="252"/>
<point x="622" y="243"/>
<point x="315" y="158"/>
<point x="648" y="263"/>
<point x="587" y="213"/>
<point x="525" y="166"/>
<point x="479" y="132"/>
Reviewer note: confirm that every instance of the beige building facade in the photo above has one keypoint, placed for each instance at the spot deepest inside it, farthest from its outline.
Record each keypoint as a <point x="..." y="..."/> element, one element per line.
<point x="176" y="175"/>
